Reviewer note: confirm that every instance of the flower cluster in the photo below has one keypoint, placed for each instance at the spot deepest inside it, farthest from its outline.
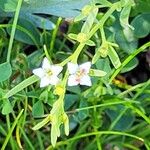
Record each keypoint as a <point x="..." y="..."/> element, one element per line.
<point x="79" y="74"/>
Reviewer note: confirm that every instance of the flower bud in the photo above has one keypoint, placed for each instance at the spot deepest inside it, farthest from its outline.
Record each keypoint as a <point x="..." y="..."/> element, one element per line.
<point x="59" y="90"/>
<point x="103" y="51"/>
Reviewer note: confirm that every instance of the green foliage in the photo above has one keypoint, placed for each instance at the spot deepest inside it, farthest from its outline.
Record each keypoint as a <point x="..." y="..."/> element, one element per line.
<point x="38" y="109"/>
<point x="7" y="108"/>
<point x="27" y="33"/>
<point x="6" y="70"/>
<point x="141" y="25"/>
<point x="107" y="106"/>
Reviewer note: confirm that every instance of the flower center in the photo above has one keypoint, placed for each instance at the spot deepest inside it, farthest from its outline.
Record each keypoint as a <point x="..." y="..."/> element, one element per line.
<point x="48" y="72"/>
<point x="79" y="74"/>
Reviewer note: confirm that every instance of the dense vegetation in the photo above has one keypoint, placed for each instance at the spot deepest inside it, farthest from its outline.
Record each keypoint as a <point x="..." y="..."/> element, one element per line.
<point x="74" y="74"/>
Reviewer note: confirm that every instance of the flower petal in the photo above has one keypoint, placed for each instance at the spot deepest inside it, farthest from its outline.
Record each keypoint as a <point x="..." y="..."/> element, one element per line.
<point x="86" y="66"/>
<point x="56" y="69"/>
<point x="72" y="80"/>
<point x="53" y="80"/>
<point x="44" y="82"/>
<point x="72" y="68"/>
<point x="38" y="72"/>
<point x="85" y="80"/>
<point x="46" y="64"/>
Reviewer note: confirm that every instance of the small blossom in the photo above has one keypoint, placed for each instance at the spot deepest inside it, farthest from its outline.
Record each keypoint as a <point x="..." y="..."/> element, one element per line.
<point x="79" y="74"/>
<point x="48" y="73"/>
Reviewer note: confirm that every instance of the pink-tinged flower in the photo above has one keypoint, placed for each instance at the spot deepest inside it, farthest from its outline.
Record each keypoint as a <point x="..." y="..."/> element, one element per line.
<point x="48" y="73"/>
<point x="79" y="74"/>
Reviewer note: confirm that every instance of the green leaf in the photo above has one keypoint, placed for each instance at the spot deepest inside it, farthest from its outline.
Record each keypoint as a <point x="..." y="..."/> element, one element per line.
<point x="127" y="42"/>
<point x="104" y="64"/>
<point x="84" y="113"/>
<point x="96" y="57"/>
<point x="72" y="36"/>
<point x="42" y="123"/>
<point x="114" y="57"/>
<point x="97" y="73"/>
<point x="70" y="99"/>
<point x="39" y="21"/>
<point x="21" y="86"/>
<point x="61" y="8"/>
<point x="124" y="17"/>
<point x="31" y="9"/>
<point x="141" y="6"/>
<point x="38" y="109"/>
<point x="7" y="107"/>
<point x="131" y="65"/>
<point x="89" y="21"/>
<point x="35" y="59"/>
<point x="79" y="17"/>
<point x="126" y="119"/>
<point x="9" y="5"/>
<point x="90" y="43"/>
<point x="74" y="89"/>
<point x="5" y="70"/>
<point x="29" y="33"/>
<point x="141" y="25"/>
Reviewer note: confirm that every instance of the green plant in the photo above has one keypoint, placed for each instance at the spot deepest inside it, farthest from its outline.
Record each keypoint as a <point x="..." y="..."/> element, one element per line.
<point x="82" y="98"/>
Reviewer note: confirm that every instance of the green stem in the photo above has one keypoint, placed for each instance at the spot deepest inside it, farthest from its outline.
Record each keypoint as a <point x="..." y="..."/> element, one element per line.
<point x="141" y="90"/>
<point x="99" y="25"/>
<point x="128" y="59"/>
<point x="103" y="20"/>
<point x="8" y="126"/>
<point x="104" y="105"/>
<point x="13" y="29"/>
<point x="54" y="36"/>
<point x="11" y="130"/>
<point x="103" y="35"/>
<point x="97" y="133"/>
<point x="27" y="140"/>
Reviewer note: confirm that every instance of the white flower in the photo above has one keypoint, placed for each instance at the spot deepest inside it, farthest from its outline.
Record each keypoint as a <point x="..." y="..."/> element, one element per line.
<point x="48" y="73"/>
<point x="79" y="74"/>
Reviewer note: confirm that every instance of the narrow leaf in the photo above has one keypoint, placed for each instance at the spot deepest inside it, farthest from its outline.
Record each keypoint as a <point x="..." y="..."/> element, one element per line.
<point x="90" y="43"/>
<point x="114" y="57"/>
<point x="21" y="86"/>
<point x="42" y="123"/>
<point x="97" y="73"/>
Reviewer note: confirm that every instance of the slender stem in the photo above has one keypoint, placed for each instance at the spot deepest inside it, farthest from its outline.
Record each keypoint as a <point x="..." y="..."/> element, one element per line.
<point x="54" y="36"/>
<point x="103" y="20"/>
<point x="97" y="133"/>
<point x="13" y="29"/>
<point x="8" y="126"/>
<point x="105" y="105"/>
<point x="128" y="59"/>
<point x="103" y="35"/>
<point x="99" y="25"/>
<point x="141" y="90"/>
<point x="11" y="130"/>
